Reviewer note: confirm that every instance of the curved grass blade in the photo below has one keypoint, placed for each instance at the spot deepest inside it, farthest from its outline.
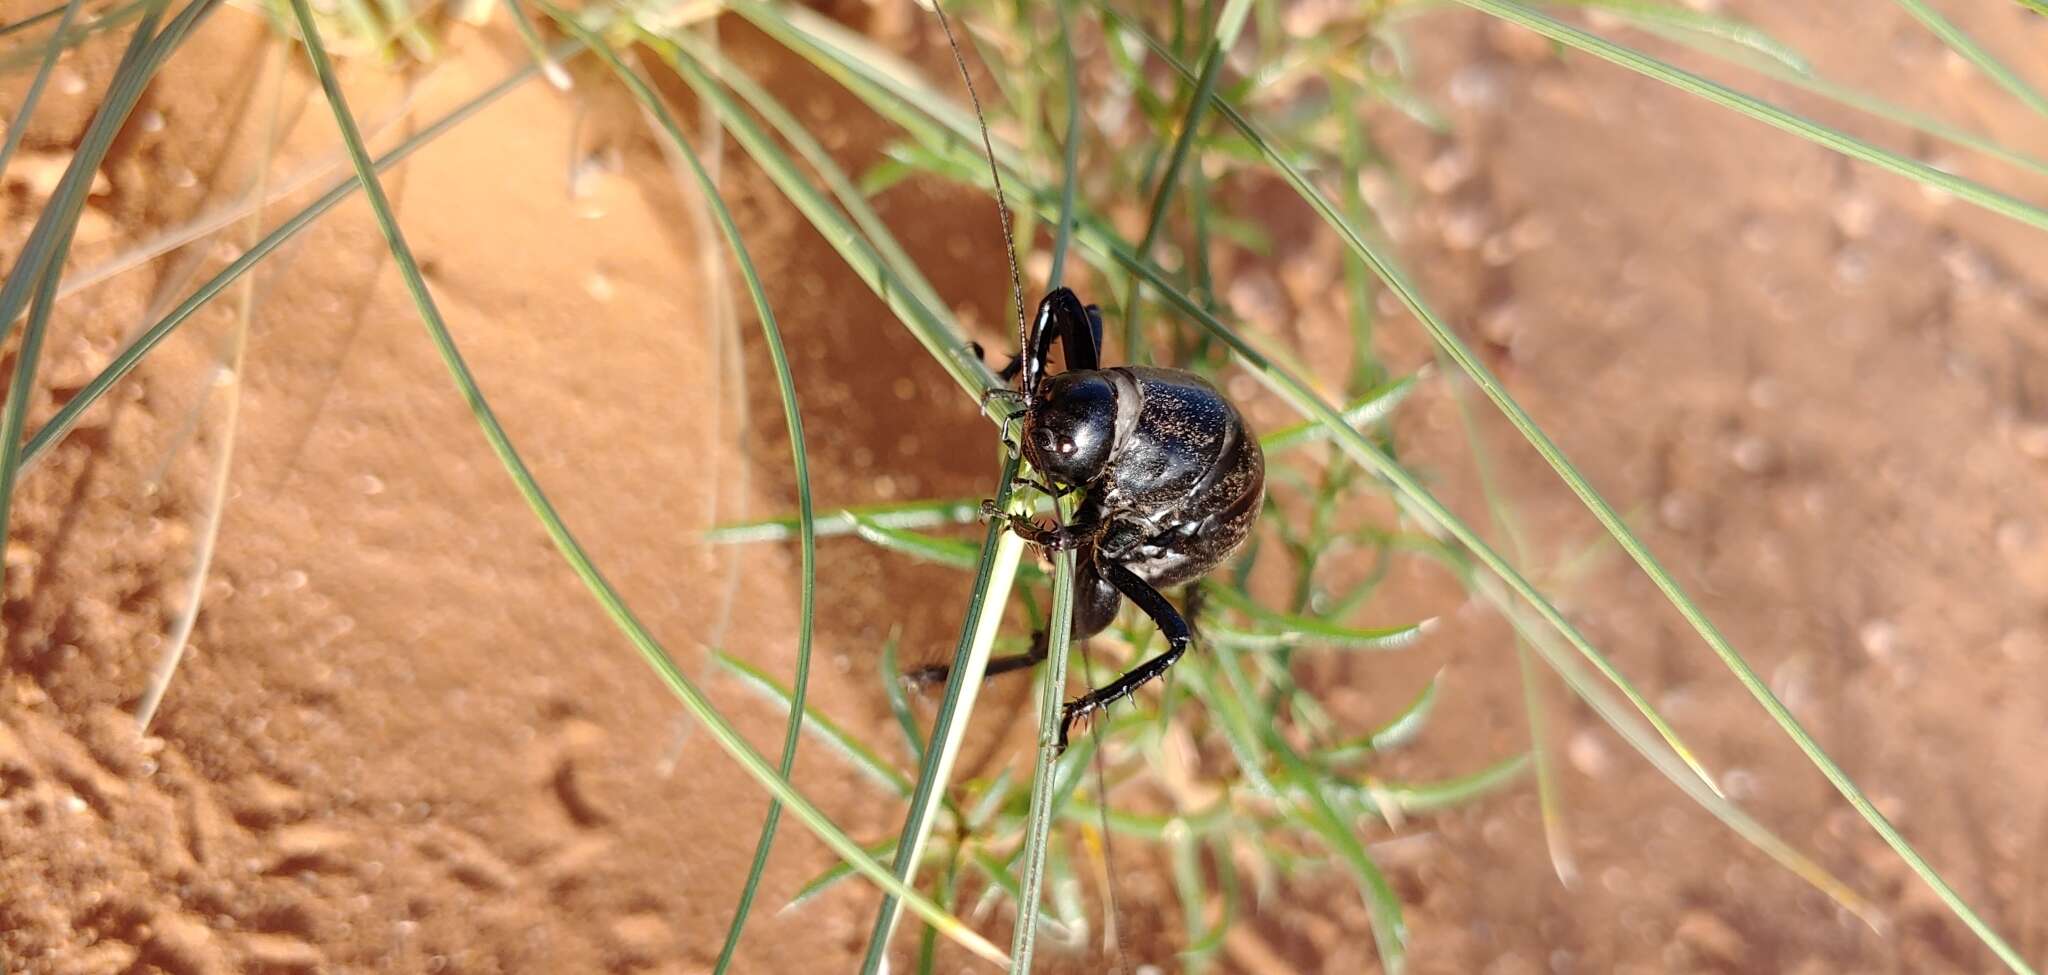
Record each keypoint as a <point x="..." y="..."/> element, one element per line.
<point x="846" y="743"/>
<point x="1398" y="731"/>
<point x="33" y="279"/>
<point x="792" y="420"/>
<point x="1389" y="930"/>
<point x="887" y="280"/>
<point x="1862" y="102"/>
<point x="1431" y="796"/>
<point x="685" y="690"/>
<point x="1288" y="629"/>
<point x="850" y="197"/>
<point x="1962" y="44"/>
<point x="1727" y="30"/>
<point x="223" y="459"/>
<point x="1455" y="348"/>
<point x="1762" y="111"/>
<point x="100" y="23"/>
<point x="22" y="114"/>
<point x="67" y="417"/>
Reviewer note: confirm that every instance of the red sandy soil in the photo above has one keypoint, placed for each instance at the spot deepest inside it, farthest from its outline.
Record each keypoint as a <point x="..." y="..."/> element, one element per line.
<point x="406" y="739"/>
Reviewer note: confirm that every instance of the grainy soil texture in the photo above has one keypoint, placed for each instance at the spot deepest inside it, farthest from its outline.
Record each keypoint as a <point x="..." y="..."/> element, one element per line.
<point x="404" y="738"/>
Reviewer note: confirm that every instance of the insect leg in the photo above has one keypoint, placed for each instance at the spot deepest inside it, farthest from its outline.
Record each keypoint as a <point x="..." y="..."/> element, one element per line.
<point x="1095" y="606"/>
<point x="1171" y="626"/>
<point x="1062" y="318"/>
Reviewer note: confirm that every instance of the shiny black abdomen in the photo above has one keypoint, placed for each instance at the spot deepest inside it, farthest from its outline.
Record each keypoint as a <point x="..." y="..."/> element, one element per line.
<point x="1185" y="482"/>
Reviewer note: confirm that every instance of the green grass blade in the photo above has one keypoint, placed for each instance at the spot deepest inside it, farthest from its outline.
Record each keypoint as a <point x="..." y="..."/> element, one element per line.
<point x="55" y="46"/>
<point x="834" y="874"/>
<point x="1289" y="629"/>
<point x="1001" y="551"/>
<point x="535" y="48"/>
<point x="950" y="552"/>
<point x="847" y="521"/>
<point x="850" y="197"/>
<point x="1398" y="731"/>
<point x="1052" y="691"/>
<point x="1667" y="17"/>
<point x="1962" y="44"/>
<point x="899" y="704"/>
<point x="1389" y="930"/>
<point x="686" y="691"/>
<point x="938" y="336"/>
<point x="1843" y="94"/>
<point x="844" y="742"/>
<point x="792" y="421"/>
<point x="1762" y="111"/>
<point x="1371" y="409"/>
<point x="1228" y="25"/>
<point x="60" y="10"/>
<point x="29" y="54"/>
<point x="1429" y="797"/>
<point x="1070" y="146"/>
<point x="34" y="278"/>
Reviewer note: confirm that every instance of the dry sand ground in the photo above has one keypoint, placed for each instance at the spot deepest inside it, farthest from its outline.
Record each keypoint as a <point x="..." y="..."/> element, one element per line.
<point x="405" y="739"/>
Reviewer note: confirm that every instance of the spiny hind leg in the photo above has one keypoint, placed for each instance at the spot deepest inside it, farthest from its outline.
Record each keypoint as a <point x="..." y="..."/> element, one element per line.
<point x="1171" y="625"/>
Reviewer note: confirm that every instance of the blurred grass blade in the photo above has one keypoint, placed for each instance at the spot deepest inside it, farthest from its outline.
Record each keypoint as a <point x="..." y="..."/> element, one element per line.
<point x="899" y="703"/>
<point x="692" y="698"/>
<point x="949" y="552"/>
<point x="1370" y="409"/>
<point x="1389" y="930"/>
<point x="834" y="874"/>
<point x="67" y="417"/>
<point x="1762" y="111"/>
<point x="888" y="281"/>
<point x="227" y="376"/>
<point x="807" y="146"/>
<point x="27" y="109"/>
<point x="1398" y="731"/>
<point x="1651" y="14"/>
<point x="1287" y="629"/>
<point x="1228" y="24"/>
<point x="1430" y="797"/>
<point x="33" y="279"/>
<point x="846" y="743"/>
<point x="549" y="67"/>
<point x="792" y="421"/>
<point x="1862" y="102"/>
<point x="1052" y="694"/>
<point x="847" y="521"/>
<point x="109" y="20"/>
<point x="1970" y="50"/>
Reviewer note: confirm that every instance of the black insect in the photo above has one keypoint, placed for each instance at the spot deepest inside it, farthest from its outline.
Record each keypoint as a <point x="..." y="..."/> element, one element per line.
<point x="1172" y="482"/>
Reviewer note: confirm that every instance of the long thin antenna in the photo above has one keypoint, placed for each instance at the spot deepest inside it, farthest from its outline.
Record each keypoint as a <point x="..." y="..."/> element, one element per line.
<point x="1002" y="204"/>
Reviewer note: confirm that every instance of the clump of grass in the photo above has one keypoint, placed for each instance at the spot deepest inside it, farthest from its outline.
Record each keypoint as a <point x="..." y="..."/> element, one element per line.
<point x="1256" y="105"/>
